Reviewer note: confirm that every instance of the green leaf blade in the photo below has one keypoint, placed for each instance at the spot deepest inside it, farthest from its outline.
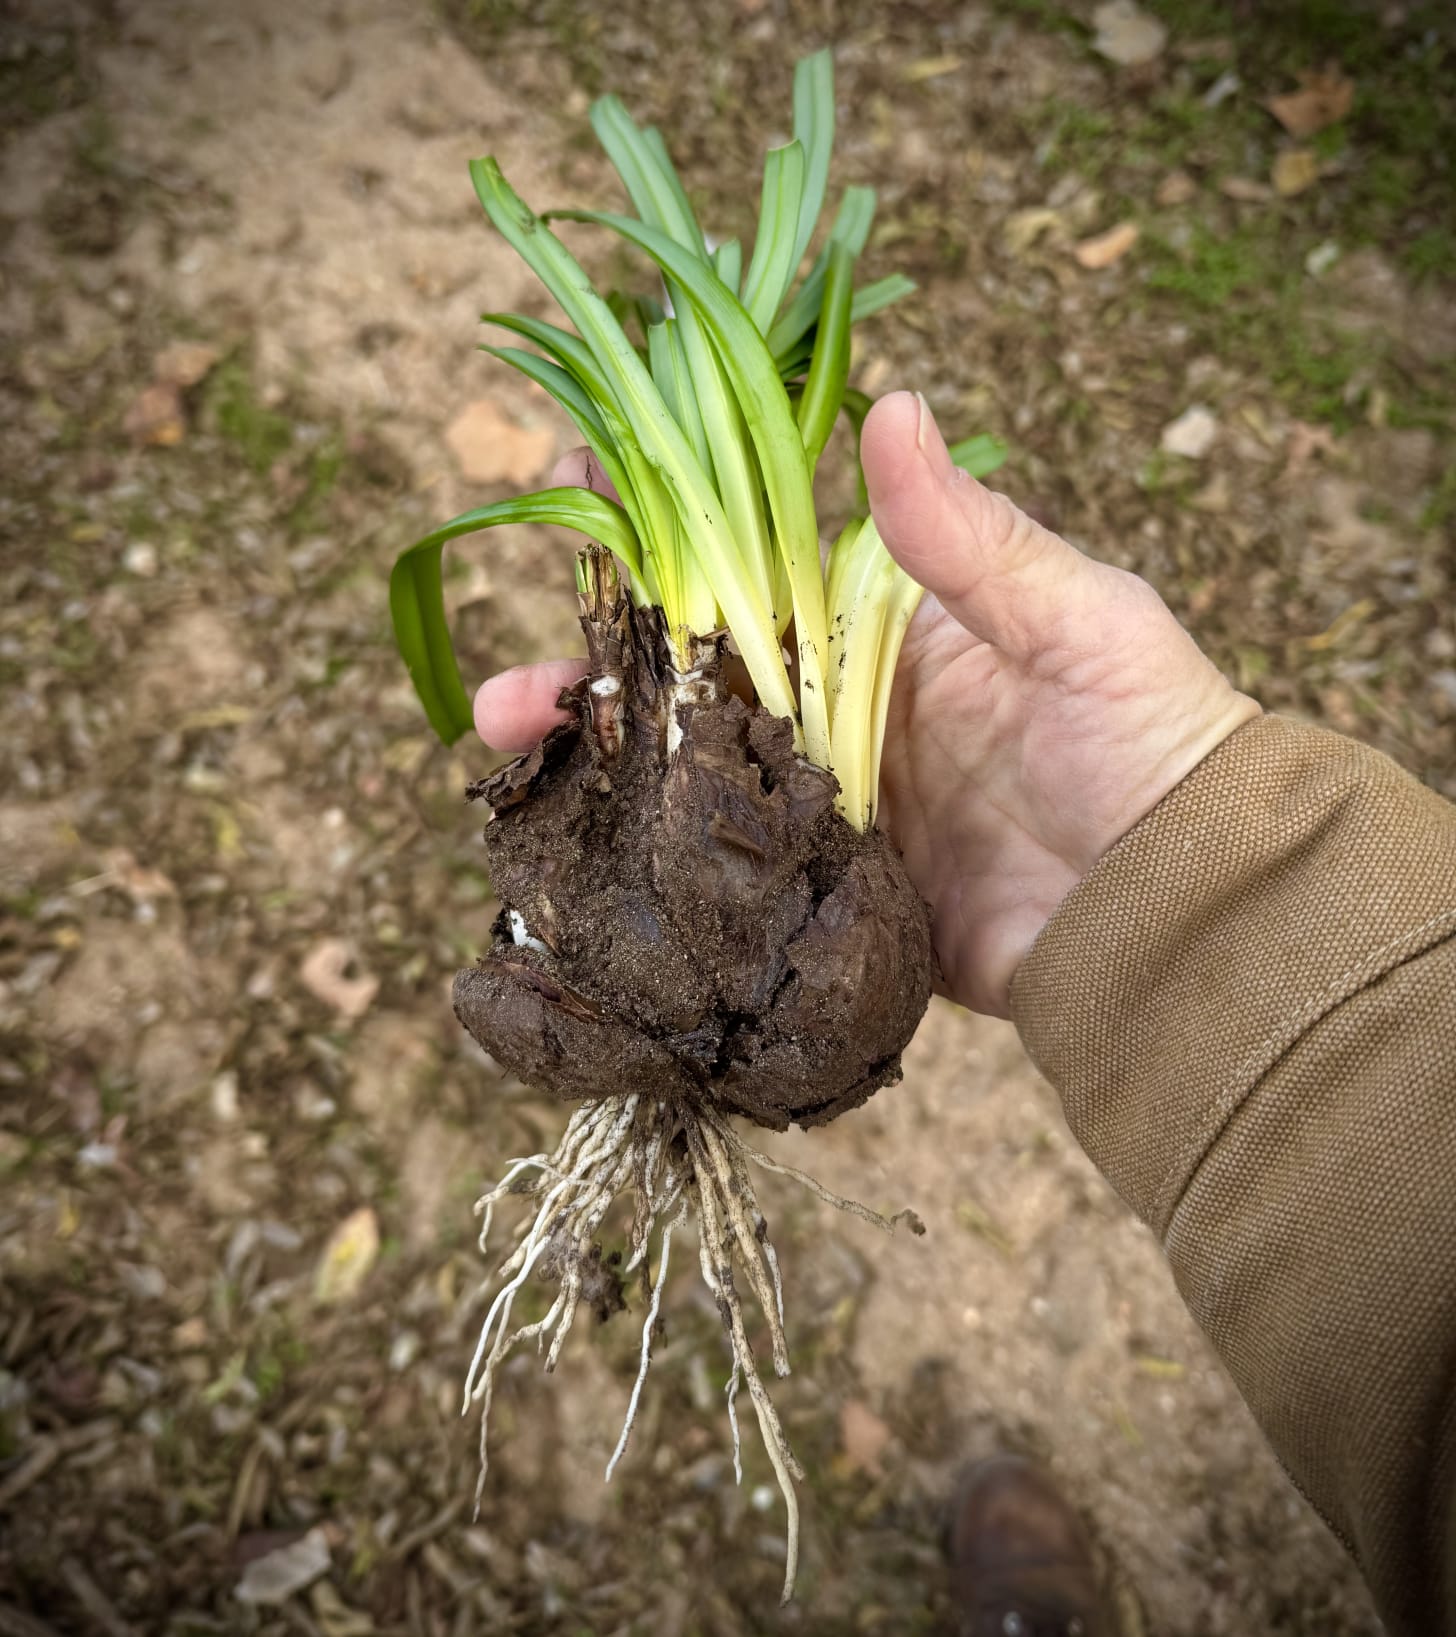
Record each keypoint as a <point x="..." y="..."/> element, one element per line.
<point x="417" y="589"/>
<point x="980" y="455"/>
<point x="656" y="434"/>
<point x="774" y="260"/>
<point x="829" y="367"/>
<point x="814" y="131"/>
<point x="874" y="298"/>
<point x="779" y="446"/>
<point x="851" y="229"/>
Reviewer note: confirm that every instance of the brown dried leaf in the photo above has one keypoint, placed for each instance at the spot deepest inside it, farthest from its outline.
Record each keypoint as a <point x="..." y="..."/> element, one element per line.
<point x="140" y="882"/>
<point x="490" y="448"/>
<point x="350" y="1253"/>
<point x="1325" y="96"/>
<point x="1105" y="248"/>
<point x="1126" y="34"/>
<point x="1305" y="442"/>
<point x="1295" y="170"/>
<point x="1245" y="189"/>
<point x="862" y="1436"/>
<point x="1023" y="228"/>
<point x="155" y="416"/>
<point x="1356" y="614"/>
<point x="276" y="1575"/>
<point x="1176" y="188"/>
<point x="930" y="68"/>
<point x="184" y="363"/>
<point x="327" y="975"/>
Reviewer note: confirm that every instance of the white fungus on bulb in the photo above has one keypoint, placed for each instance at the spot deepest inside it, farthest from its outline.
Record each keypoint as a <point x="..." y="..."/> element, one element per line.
<point x="520" y="935"/>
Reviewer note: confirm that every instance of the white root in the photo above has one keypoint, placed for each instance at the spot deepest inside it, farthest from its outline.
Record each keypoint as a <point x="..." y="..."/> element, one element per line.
<point x="676" y="1162"/>
<point x="648" y="1325"/>
<point x="733" y="1423"/>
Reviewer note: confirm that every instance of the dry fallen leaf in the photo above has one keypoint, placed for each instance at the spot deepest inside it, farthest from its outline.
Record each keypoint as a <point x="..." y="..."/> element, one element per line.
<point x="490" y="448"/>
<point x="1191" y="435"/>
<point x="1176" y="188"/>
<point x="184" y="363"/>
<point x="155" y="416"/>
<point x="1245" y="189"/>
<point x="1215" y="496"/>
<point x="1356" y="614"/>
<point x="1305" y="442"/>
<point x="1322" y="258"/>
<point x="1294" y="170"/>
<point x="1325" y="96"/>
<point x="140" y="882"/>
<point x="930" y="68"/>
<point x="1105" y="248"/>
<point x="874" y="375"/>
<point x="350" y="1253"/>
<point x="275" y="1576"/>
<point x="1023" y="228"/>
<point x="1126" y="34"/>
<point x="862" y="1436"/>
<point x="330" y="972"/>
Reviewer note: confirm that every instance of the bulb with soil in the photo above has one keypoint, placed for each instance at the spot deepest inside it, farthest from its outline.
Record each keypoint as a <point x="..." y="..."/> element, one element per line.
<point x="685" y="915"/>
<point x="689" y="931"/>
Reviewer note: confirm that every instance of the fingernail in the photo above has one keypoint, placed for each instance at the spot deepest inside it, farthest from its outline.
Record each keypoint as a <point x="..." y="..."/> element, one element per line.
<point x="927" y="433"/>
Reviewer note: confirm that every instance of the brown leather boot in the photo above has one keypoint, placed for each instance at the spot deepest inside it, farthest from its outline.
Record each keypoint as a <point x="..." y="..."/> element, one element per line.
<point x="1020" y="1558"/>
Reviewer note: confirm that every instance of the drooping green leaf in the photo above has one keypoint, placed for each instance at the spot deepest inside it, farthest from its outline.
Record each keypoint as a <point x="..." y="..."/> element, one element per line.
<point x="577" y="403"/>
<point x="568" y="350"/>
<point x="980" y="455"/>
<point x="640" y="500"/>
<point x="641" y="159"/>
<point x="873" y="298"/>
<point x="417" y="593"/>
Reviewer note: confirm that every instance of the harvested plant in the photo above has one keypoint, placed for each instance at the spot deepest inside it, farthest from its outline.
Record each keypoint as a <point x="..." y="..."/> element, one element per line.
<point x="700" y="921"/>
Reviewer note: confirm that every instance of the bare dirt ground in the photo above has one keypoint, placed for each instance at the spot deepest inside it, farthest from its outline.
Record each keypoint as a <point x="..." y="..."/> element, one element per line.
<point x="240" y="1133"/>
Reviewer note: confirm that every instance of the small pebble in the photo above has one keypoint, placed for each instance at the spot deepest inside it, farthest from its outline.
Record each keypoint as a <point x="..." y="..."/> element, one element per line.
<point x="1191" y="435"/>
<point x="225" y="1097"/>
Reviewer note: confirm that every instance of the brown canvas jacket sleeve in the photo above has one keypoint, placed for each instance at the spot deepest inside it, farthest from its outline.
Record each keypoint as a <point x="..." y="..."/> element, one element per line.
<point x="1249" y="1009"/>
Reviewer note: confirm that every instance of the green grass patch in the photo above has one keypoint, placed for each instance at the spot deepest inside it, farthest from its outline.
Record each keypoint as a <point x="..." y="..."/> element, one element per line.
<point x="1216" y="268"/>
<point x="262" y="435"/>
<point x="1247" y="296"/>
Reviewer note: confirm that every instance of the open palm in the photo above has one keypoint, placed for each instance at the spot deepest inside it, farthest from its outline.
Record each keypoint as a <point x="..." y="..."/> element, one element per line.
<point x="1043" y="703"/>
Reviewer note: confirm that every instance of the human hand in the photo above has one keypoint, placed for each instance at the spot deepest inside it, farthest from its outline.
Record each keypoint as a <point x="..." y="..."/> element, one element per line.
<point x="1044" y="702"/>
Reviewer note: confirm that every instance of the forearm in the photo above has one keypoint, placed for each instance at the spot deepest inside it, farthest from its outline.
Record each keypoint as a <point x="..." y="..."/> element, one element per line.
<point x="1249" y="1008"/>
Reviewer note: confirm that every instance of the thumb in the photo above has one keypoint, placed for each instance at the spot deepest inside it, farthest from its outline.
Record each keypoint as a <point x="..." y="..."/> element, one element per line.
<point x="1005" y="578"/>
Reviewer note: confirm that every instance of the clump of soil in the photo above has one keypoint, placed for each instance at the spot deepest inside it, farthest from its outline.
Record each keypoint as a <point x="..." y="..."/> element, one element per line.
<point x="686" y="916"/>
